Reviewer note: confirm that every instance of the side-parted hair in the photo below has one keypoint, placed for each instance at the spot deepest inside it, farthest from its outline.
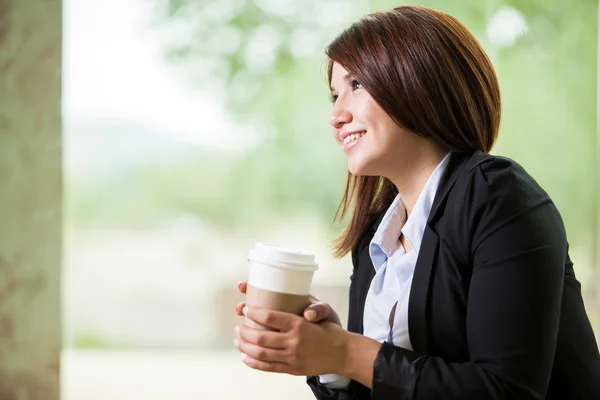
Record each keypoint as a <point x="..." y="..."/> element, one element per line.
<point x="429" y="73"/>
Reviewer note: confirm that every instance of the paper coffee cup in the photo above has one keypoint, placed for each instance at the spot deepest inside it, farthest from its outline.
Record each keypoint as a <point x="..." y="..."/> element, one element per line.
<point x="279" y="279"/>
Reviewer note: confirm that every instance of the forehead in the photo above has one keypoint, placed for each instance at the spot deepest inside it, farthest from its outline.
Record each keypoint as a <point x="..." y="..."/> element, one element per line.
<point x="338" y="75"/>
<point x="338" y="70"/>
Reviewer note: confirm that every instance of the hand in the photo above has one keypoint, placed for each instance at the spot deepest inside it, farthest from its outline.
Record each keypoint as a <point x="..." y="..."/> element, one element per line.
<point x="316" y="311"/>
<point x="298" y="347"/>
<point x="242" y="286"/>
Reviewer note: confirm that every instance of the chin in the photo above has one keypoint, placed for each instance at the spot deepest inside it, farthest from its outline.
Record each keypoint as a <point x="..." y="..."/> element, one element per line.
<point x="360" y="168"/>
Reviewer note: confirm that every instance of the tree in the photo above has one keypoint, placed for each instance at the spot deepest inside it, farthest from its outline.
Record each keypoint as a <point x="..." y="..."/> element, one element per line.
<point x="263" y="58"/>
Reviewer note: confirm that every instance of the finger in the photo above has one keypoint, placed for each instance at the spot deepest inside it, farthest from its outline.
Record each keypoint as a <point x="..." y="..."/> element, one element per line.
<point x="318" y="312"/>
<point x="311" y="300"/>
<point x="310" y="315"/>
<point x="273" y="319"/>
<point x="242" y="286"/>
<point x="266" y="366"/>
<point x="239" y="308"/>
<point x="259" y="353"/>
<point x="262" y="338"/>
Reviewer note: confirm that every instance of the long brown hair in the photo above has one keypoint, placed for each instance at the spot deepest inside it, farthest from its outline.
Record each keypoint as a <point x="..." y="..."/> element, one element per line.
<point x="430" y="74"/>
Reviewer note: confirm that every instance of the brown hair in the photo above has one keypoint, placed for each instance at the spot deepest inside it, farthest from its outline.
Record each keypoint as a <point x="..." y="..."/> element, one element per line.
<point x="430" y="74"/>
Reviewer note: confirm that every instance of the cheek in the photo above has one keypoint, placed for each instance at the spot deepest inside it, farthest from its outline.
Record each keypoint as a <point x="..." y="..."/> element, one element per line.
<point x="364" y="112"/>
<point x="387" y="130"/>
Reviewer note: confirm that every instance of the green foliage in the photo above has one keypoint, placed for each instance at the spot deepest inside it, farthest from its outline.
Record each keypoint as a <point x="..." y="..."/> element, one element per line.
<point x="90" y="340"/>
<point x="548" y="81"/>
<point x="242" y="44"/>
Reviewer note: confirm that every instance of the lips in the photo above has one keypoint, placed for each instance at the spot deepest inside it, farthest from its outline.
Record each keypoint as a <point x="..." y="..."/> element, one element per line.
<point x="351" y="139"/>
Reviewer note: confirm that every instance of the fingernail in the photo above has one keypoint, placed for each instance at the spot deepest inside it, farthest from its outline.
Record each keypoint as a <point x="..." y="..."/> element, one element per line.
<point x="244" y="310"/>
<point x="236" y="342"/>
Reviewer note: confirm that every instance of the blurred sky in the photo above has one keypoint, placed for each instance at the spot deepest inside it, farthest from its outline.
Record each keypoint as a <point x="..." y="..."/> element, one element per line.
<point x="114" y="70"/>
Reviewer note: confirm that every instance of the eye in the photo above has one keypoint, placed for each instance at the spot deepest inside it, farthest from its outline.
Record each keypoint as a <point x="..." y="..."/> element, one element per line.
<point x="356" y="84"/>
<point x="333" y="98"/>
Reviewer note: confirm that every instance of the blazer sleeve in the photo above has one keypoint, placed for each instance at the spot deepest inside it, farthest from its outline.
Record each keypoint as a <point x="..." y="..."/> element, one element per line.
<point x="354" y="390"/>
<point x="518" y="246"/>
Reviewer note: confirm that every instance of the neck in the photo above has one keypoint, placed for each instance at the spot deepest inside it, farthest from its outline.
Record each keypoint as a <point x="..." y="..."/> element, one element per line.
<point x="412" y="177"/>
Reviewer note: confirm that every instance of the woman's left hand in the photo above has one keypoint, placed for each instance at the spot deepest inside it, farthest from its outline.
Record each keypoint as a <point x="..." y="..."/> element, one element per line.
<point x="298" y="347"/>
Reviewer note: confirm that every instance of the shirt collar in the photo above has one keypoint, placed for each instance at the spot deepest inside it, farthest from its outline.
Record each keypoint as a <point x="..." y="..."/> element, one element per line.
<point x="385" y="239"/>
<point x="414" y="228"/>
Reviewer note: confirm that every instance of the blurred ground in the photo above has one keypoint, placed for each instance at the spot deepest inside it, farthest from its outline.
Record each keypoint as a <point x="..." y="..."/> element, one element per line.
<point x="154" y="375"/>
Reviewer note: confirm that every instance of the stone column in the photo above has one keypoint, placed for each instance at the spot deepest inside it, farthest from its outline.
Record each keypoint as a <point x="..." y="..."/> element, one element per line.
<point x="30" y="199"/>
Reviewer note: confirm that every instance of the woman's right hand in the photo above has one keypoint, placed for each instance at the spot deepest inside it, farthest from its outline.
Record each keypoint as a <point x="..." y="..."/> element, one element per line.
<point x="317" y="311"/>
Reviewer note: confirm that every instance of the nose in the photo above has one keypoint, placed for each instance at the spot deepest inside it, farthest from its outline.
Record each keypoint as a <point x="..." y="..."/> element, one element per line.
<point x="340" y="115"/>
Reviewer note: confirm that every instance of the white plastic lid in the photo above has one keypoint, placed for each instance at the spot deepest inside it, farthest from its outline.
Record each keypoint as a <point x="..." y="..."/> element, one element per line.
<point x="280" y="256"/>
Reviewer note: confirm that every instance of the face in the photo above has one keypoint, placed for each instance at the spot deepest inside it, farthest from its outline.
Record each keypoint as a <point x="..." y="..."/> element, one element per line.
<point x="374" y="144"/>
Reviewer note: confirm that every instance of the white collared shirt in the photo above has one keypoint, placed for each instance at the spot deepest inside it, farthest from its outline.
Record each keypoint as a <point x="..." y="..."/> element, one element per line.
<point x="394" y="267"/>
<point x="394" y="270"/>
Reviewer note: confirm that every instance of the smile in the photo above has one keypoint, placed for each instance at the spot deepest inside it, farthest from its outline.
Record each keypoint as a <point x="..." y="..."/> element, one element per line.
<point x="353" y="137"/>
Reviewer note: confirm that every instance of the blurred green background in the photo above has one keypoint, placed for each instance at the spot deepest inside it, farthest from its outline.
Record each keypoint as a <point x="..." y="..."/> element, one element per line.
<point x="163" y="203"/>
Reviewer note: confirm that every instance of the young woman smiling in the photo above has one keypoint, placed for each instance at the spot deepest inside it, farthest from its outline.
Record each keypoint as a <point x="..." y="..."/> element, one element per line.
<point x="462" y="286"/>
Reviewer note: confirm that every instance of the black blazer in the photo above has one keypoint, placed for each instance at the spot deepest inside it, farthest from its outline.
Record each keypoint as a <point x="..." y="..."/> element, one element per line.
<point x="495" y="310"/>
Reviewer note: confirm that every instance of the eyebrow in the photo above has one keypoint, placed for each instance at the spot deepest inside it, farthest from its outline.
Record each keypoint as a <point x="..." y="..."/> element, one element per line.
<point x="348" y="78"/>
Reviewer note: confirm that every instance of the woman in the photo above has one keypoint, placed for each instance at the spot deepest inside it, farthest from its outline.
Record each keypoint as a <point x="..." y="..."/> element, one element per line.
<point x="462" y="286"/>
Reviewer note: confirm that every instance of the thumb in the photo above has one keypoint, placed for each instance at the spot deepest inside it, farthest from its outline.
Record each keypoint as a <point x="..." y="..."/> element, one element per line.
<point x="317" y="312"/>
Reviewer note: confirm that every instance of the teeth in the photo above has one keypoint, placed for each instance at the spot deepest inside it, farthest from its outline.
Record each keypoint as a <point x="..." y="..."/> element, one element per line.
<point x="353" y="137"/>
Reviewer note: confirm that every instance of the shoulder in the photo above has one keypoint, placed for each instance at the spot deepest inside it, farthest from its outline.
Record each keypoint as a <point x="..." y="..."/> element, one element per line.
<point x="490" y="180"/>
<point x="496" y="197"/>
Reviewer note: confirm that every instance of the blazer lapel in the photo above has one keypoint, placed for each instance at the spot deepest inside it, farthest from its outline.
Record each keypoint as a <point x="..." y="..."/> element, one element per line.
<point x="366" y="272"/>
<point x="363" y="283"/>
<point x="456" y="165"/>
<point x="419" y="292"/>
